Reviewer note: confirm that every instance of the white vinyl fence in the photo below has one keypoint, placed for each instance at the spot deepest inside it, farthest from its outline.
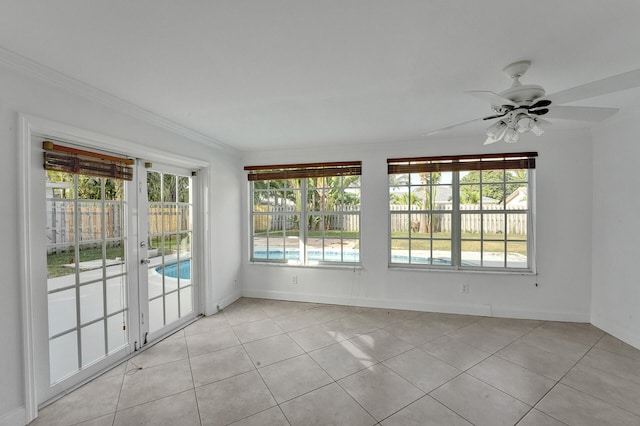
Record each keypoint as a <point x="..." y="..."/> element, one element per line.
<point x="513" y="222"/>
<point x="278" y="218"/>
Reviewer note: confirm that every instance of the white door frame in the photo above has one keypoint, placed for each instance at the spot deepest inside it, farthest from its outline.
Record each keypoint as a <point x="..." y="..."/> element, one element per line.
<point x="30" y="126"/>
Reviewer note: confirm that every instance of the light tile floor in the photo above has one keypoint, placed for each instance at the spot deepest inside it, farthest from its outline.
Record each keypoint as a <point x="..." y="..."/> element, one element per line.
<point x="267" y="362"/>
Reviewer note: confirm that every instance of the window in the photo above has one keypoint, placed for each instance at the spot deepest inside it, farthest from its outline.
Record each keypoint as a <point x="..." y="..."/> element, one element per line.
<point x="462" y="212"/>
<point x="305" y="214"/>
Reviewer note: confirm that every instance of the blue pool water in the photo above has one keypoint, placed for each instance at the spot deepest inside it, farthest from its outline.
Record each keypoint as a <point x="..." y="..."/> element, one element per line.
<point x="348" y="256"/>
<point x="172" y="270"/>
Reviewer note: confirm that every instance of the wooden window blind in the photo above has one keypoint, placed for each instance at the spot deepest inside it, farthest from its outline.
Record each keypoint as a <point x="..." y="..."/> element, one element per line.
<point x="455" y="163"/>
<point x="71" y="160"/>
<point x="296" y="171"/>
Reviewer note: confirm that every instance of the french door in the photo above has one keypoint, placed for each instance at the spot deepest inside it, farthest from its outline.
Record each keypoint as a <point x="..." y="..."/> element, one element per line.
<point x="167" y="274"/>
<point x="117" y="273"/>
<point x="87" y="280"/>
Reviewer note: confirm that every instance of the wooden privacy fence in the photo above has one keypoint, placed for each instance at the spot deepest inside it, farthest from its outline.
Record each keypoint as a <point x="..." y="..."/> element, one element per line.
<point x="61" y="221"/>
<point x="279" y="218"/>
<point x="170" y="218"/>
<point x="474" y="221"/>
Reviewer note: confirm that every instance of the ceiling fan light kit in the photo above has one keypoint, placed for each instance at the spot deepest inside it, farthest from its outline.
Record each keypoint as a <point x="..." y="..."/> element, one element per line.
<point x="512" y="126"/>
<point x="520" y="107"/>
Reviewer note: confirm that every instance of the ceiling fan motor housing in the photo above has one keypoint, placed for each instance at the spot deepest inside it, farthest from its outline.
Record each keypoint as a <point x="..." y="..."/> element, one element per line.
<point x="523" y="93"/>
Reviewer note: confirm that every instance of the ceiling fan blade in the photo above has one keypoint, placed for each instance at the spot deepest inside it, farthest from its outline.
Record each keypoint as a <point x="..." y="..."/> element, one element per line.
<point x="491" y="97"/>
<point x="496" y="116"/>
<point x="541" y="111"/>
<point x="452" y="126"/>
<point x="581" y="113"/>
<point x="612" y="84"/>
<point x="543" y="122"/>
<point x="540" y="103"/>
<point x="490" y="140"/>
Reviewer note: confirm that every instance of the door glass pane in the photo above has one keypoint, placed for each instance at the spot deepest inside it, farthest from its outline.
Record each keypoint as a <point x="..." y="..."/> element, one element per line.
<point x="116" y="332"/>
<point x="60" y="221"/>
<point x="63" y="356"/>
<point x="82" y="271"/>
<point x="114" y="220"/>
<point x="93" y="343"/>
<point x="184" y="245"/>
<point x="184" y="218"/>
<point x="156" y="314"/>
<point x="61" y="267"/>
<point x="154" y="187"/>
<point x="170" y="249"/>
<point x="62" y="311"/>
<point x="91" y="299"/>
<point x="184" y="189"/>
<point x="186" y="304"/>
<point x="116" y="294"/>
<point x="90" y="220"/>
<point x="171" y="307"/>
<point x="169" y="187"/>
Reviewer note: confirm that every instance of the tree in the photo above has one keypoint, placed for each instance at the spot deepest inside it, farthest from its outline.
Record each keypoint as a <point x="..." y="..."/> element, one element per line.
<point x="89" y="187"/>
<point x="328" y="193"/>
<point x="429" y="179"/>
<point x="496" y="184"/>
<point x="406" y="200"/>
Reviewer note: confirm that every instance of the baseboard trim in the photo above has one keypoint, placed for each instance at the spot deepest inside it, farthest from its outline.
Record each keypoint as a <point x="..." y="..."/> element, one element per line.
<point x="226" y="301"/>
<point x="16" y="417"/>
<point x="616" y="329"/>
<point x="449" y="308"/>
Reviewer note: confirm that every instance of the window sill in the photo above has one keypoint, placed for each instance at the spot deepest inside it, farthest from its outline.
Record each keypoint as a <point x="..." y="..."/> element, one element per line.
<point x="350" y="267"/>
<point x="449" y="270"/>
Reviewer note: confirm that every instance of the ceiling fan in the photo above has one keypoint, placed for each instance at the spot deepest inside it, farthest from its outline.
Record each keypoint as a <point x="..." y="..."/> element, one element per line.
<point x="520" y="108"/>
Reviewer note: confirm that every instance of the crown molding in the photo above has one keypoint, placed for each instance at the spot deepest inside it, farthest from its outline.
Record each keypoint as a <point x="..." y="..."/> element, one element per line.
<point x="41" y="72"/>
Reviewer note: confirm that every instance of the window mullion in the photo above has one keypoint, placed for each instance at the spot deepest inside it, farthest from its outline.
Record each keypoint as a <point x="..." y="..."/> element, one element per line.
<point x="531" y="253"/>
<point x="302" y="240"/>
<point x="456" y="233"/>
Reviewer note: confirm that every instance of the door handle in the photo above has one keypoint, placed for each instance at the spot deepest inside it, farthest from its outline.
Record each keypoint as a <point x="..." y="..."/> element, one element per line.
<point x="145" y="261"/>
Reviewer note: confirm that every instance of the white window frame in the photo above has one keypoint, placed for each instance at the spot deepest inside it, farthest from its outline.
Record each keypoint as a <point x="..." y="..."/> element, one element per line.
<point x="457" y="263"/>
<point x="303" y="215"/>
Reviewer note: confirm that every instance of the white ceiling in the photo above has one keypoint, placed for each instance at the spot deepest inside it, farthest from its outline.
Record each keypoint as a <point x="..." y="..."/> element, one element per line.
<point x="263" y="74"/>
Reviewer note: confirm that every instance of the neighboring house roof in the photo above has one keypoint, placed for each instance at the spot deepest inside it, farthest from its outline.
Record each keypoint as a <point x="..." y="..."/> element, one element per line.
<point x="517" y="197"/>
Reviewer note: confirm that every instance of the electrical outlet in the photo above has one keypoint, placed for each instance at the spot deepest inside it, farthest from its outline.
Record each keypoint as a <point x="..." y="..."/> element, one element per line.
<point x="464" y="288"/>
<point x="294" y="279"/>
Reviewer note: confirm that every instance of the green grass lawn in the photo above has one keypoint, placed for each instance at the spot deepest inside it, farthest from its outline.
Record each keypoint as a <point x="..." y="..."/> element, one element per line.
<point x="442" y="241"/>
<point x="314" y="234"/>
<point x="421" y="241"/>
<point x="60" y="264"/>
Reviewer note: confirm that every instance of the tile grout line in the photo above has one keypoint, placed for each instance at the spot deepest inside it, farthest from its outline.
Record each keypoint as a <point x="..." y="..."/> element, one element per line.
<point x="380" y="325"/>
<point x="195" y="394"/>
<point x="261" y="378"/>
<point x="466" y="372"/>
<point x="559" y="380"/>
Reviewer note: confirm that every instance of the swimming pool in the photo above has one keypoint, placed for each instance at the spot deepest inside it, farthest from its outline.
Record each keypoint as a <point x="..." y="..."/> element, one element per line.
<point x="347" y="256"/>
<point x="173" y="269"/>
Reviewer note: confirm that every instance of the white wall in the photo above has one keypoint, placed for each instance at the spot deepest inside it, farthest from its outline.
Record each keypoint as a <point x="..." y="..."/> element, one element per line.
<point x="616" y="234"/>
<point x="35" y="97"/>
<point x="563" y="196"/>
